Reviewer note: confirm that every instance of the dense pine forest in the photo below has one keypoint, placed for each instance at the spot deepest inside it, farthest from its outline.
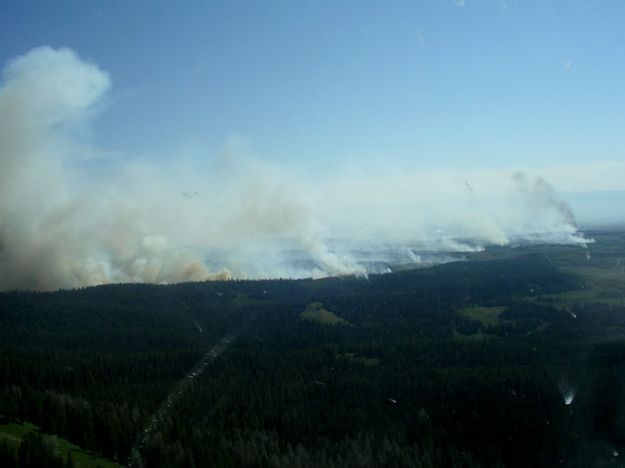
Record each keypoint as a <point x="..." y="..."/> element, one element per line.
<point x="515" y="357"/>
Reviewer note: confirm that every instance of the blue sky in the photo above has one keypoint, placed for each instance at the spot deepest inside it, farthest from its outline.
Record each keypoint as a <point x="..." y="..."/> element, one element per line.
<point x="413" y="85"/>
<point x="335" y="87"/>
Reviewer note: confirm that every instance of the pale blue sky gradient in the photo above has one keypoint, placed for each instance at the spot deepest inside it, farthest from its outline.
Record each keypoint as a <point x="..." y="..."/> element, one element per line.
<point x="329" y="85"/>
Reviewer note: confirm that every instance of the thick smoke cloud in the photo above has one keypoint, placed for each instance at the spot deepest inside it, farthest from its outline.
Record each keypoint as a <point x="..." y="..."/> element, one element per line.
<point x="51" y="234"/>
<point x="182" y="220"/>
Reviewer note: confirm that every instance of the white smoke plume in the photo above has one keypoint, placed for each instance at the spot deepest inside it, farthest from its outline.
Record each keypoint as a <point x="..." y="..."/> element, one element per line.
<point x="63" y="227"/>
<point x="51" y="234"/>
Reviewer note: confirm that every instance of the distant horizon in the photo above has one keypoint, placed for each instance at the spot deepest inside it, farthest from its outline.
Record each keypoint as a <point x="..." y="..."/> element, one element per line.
<point x="136" y="135"/>
<point x="615" y="227"/>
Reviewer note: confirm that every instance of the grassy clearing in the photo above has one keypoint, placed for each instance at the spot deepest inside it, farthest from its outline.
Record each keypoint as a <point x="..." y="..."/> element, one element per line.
<point x="584" y="296"/>
<point x="614" y="276"/>
<point x="487" y="316"/>
<point x="366" y="361"/>
<point x="605" y="285"/>
<point x="315" y="312"/>
<point x="478" y="336"/>
<point x="241" y="300"/>
<point x="82" y="458"/>
<point x="13" y="433"/>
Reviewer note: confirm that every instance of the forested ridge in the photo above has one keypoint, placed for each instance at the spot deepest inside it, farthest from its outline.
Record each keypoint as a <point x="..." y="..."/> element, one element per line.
<point x="488" y="362"/>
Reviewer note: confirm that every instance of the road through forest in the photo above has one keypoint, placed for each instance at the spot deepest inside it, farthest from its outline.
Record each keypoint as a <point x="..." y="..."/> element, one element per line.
<point x="182" y="385"/>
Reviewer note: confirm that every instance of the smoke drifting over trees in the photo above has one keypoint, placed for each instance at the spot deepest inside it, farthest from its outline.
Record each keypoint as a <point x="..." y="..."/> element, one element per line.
<point x="63" y="227"/>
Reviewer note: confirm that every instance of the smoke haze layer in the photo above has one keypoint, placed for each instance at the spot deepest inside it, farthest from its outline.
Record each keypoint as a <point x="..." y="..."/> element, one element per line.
<point x="196" y="219"/>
